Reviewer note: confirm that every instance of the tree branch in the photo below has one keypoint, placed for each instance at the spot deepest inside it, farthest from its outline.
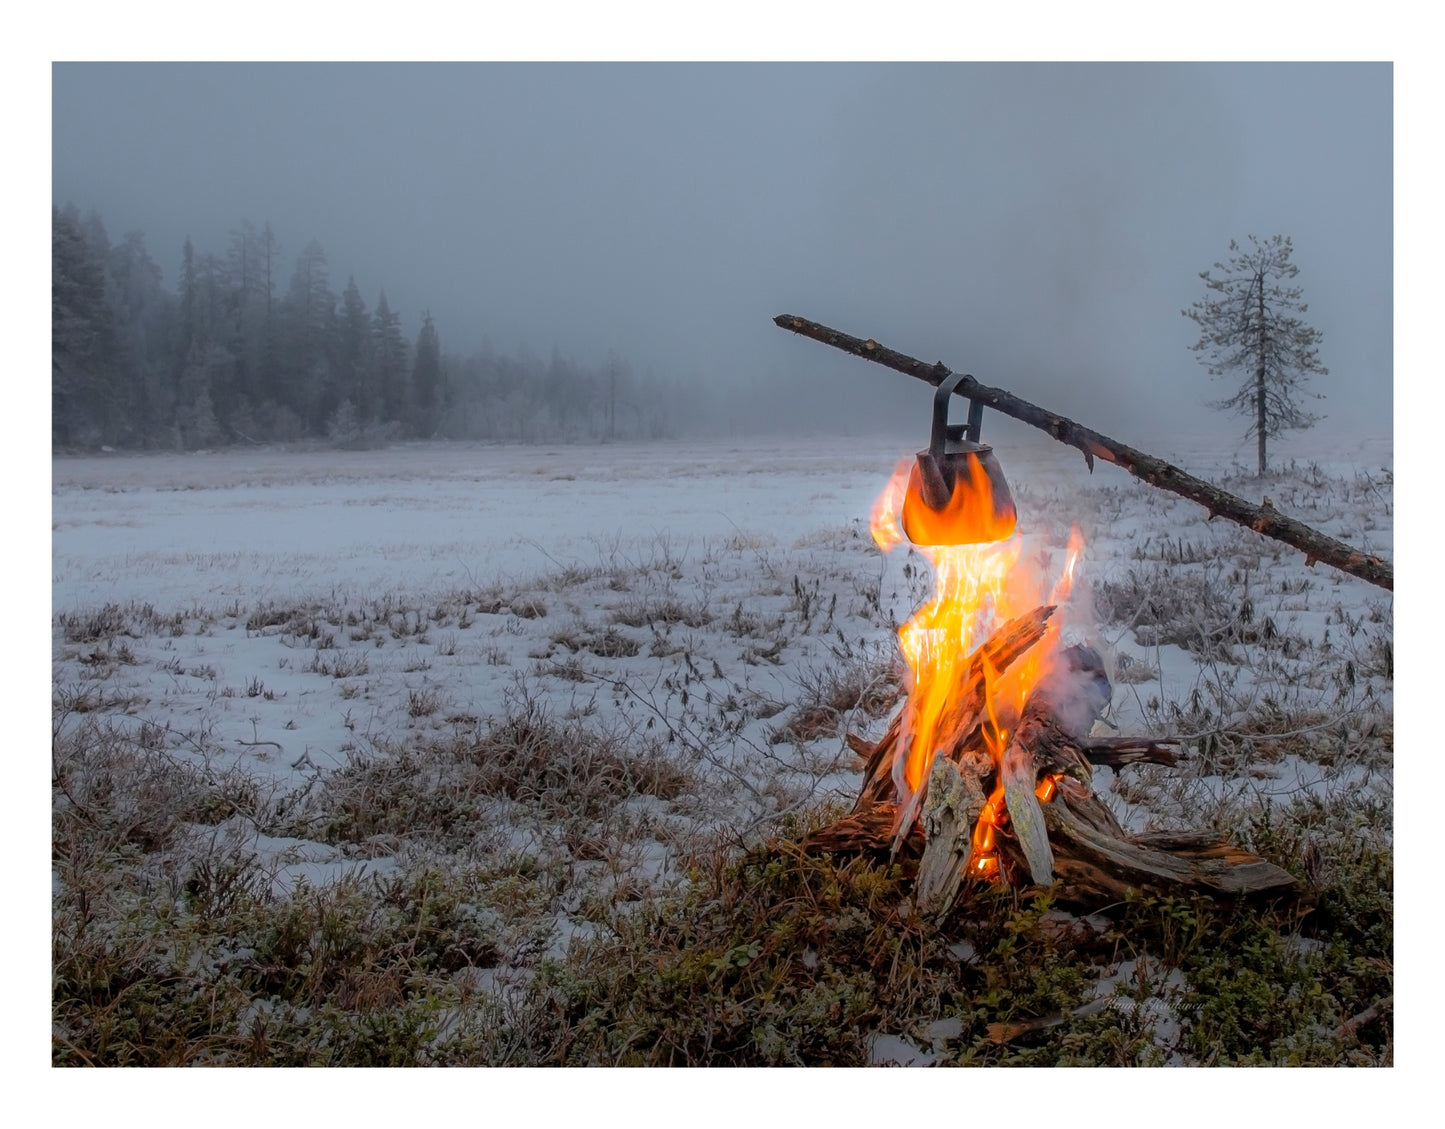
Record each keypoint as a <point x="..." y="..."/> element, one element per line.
<point x="1262" y="519"/>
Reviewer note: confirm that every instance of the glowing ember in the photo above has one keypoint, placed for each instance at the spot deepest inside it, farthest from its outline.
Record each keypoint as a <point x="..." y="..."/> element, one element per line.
<point x="976" y="587"/>
<point x="1048" y="786"/>
<point x="982" y="859"/>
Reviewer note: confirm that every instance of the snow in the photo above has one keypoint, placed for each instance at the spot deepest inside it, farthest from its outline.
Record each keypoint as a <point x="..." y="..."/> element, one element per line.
<point x="290" y="612"/>
<point x="206" y="530"/>
<point x="890" y="1050"/>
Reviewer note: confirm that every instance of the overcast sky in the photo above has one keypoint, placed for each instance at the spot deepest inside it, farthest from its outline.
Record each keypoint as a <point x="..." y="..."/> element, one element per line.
<point x="1040" y="226"/>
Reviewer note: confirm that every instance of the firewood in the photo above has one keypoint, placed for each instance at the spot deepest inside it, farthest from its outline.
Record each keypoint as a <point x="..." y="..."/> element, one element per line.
<point x="1053" y="750"/>
<point x="1001" y="650"/>
<point x="1074" y="842"/>
<point x="1088" y="807"/>
<point x="954" y="802"/>
<point x="1092" y="864"/>
<point x="870" y="830"/>
<point x="864" y="749"/>
<point x="1020" y="776"/>
<point x="860" y="831"/>
<point x="1118" y="751"/>
<point x="997" y="654"/>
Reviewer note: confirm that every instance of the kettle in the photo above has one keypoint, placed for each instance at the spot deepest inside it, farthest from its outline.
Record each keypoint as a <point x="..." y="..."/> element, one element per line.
<point x="956" y="492"/>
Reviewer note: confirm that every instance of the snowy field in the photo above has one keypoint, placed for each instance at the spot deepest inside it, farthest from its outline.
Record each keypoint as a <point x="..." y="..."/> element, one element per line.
<point x="305" y="622"/>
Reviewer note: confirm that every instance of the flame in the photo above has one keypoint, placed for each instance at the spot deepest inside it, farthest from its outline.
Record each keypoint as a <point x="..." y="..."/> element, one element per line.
<point x="888" y="509"/>
<point x="939" y="641"/>
<point x="1065" y="586"/>
<point x="976" y="588"/>
<point x="968" y="517"/>
<point x="1048" y="786"/>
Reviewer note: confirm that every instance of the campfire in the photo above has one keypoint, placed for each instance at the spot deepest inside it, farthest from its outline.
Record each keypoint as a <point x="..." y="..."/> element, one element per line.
<point x="985" y="771"/>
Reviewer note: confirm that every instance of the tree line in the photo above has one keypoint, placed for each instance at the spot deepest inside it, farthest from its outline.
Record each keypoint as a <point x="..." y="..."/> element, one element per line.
<point x="243" y="352"/>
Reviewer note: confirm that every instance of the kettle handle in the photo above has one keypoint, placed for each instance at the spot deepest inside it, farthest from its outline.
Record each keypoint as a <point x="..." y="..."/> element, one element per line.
<point x="940" y="414"/>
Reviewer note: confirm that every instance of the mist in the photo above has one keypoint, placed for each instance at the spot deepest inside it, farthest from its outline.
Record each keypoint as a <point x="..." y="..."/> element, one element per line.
<point x="1039" y="226"/>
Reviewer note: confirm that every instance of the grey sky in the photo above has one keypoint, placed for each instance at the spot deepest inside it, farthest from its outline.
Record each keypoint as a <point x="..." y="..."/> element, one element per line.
<point x="1039" y="226"/>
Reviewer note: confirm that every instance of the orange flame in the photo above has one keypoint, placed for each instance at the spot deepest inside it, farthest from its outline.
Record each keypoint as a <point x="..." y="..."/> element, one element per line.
<point x="977" y="586"/>
<point x="1065" y="586"/>
<point x="967" y="518"/>
<point x="939" y="641"/>
<point x="1048" y="786"/>
<point x="983" y="856"/>
<point x="889" y="507"/>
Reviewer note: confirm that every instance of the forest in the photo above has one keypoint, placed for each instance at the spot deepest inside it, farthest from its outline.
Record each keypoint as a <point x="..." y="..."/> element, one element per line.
<point x="241" y="351"/>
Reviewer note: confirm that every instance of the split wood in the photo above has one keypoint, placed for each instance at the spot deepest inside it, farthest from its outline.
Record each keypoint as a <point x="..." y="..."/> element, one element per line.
<point x="1073" y="842"/>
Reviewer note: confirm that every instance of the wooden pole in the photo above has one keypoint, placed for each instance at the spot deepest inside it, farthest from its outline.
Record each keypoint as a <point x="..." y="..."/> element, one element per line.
<point x="1263" y="519"/>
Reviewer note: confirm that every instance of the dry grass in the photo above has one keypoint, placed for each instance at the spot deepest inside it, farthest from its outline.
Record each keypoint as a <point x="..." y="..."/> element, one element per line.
<point x="444" y="791"/>
<point x="831" y="698"/>
<point x="665" y="610"/>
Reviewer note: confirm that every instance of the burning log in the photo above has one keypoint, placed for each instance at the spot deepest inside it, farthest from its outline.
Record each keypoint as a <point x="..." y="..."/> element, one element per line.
<point x="1041" y="753"/>
<point x="1019" y="773"/>
<point x="1050" y="826"/>
<point x="1263" y="518"/>
<point x="999" y="653"/>
<point x="954" y="804"/>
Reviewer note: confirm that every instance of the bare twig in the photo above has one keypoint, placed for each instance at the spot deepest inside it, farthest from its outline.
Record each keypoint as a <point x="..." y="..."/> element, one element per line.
<point x="1350" y="1026"/>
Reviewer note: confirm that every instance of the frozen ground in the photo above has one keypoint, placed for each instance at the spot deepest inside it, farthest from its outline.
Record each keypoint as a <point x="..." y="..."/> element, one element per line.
<point x="307" y="621"/>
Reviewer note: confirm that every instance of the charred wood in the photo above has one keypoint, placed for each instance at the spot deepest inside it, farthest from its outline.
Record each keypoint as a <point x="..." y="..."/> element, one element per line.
<point x="1020" y="775"/>
<point x="951" y="809"/>
<point x="1115" y="752"/>
<point x="1093" y="865"/>
<point x="1003" y="648"/>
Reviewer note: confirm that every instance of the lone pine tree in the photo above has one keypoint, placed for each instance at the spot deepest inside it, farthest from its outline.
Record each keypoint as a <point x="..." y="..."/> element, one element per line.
<point x="1249" y="324"/>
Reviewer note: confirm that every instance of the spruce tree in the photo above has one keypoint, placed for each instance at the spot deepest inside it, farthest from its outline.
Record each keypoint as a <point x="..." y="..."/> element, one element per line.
<point x="310" y="316"/>
<point x="389" y="357"/>
<point x="1249" y="324"/>
<point x="85" y="403"/>
<point x="354" y="353"/>
<point x="426" y="380"/>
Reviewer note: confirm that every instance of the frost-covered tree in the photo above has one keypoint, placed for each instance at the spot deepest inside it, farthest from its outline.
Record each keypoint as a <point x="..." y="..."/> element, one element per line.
<point x="426" y="380"/>
<point x="86" y="395"/>
<point x="389" y="355"/>
<point x="195" y="419"/>
<point x="1249" y="324"/>
<point x="309" y="319"/>
<point x="353" y="352"/>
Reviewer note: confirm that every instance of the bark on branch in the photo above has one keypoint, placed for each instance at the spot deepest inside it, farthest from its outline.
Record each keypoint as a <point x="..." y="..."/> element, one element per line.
<point x="1263" y="519"/>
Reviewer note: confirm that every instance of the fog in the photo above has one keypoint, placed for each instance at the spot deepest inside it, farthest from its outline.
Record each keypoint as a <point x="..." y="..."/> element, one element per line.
<point x="1039" y="226"/>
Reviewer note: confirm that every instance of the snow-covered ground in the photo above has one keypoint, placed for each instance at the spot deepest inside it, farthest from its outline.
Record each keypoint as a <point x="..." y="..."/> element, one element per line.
<point x="284" y="614"/>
